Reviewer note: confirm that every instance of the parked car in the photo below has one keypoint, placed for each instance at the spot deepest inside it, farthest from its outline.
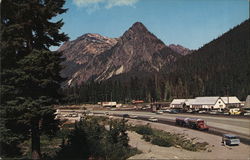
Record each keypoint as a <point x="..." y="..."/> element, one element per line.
<point x="125" y="115"/>
<point x="213" y="112"/>
<point x="189" y="111"/>
<point x="246" y="111"/>
<point x="153" y="119"/>
<point x="173" y="111"/>
<point x="234" y="111"/>
<point x="167" y="111"/>
<point x="230" y="139"/>
<point x="159" y="112"/>
<point x="202" y="111"/>
<point x="246" y="114"/>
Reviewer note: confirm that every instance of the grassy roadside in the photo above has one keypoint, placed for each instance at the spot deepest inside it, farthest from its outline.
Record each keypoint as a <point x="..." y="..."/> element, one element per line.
<point x="167" y="139"/>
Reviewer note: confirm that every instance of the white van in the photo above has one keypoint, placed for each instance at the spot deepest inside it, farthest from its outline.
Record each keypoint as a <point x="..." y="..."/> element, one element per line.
<point x="230" y="139"/>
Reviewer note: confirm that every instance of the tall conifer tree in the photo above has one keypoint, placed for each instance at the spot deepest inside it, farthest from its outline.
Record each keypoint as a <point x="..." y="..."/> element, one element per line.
<point x="30" y="76"/>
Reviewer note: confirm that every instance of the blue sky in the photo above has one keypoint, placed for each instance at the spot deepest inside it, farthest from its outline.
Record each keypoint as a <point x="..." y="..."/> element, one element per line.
<point x="191" y="23"/>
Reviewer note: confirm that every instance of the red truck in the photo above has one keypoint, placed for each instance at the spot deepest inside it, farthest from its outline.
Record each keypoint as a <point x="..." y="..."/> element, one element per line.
<point x="195" y="123"/>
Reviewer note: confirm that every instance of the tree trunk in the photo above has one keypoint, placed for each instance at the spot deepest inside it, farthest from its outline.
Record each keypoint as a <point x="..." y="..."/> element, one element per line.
<point x="35" y="140"/>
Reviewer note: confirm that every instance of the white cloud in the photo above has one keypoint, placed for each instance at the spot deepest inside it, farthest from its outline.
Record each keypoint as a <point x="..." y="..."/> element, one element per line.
<point x="95" y="4"/>
<point x="86" y="3"/>
<point x="112" y="3"/>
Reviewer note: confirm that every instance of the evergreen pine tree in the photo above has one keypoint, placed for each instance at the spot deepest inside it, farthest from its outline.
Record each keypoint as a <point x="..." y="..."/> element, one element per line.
<point x="29" y="71"/>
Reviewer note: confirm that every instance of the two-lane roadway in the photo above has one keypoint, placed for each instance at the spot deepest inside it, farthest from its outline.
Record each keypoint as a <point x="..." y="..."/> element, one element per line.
<point x="237" y="125"/>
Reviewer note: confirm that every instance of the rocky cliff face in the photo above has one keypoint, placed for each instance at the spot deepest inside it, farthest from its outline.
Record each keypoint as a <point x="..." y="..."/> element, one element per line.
<point x="78" y="53"/>
<point x="136" y="51"/>
<point x="180" y="49"/>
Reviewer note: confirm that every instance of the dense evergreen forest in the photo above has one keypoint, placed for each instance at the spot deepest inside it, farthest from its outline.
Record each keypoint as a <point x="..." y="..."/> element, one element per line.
<point x="114" y="90"/>
<point x="219" y="68"/>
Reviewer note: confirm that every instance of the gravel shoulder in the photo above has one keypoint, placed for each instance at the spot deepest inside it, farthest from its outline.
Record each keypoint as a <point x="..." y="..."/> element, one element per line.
<point x="215" y="149"/>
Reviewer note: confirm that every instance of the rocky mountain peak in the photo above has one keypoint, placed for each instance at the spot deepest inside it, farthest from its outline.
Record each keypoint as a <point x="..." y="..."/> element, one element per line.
<point x="180" y="49"/>
<point x="93" y="56"/>
<point x="138" y="26"/>
<point x="137" y="32"/>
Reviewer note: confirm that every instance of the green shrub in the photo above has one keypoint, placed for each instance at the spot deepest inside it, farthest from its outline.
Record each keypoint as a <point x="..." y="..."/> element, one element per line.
<point x="143" y="130"/>
<point x="201" y="145"/>
<point x="160" y="141"/>
<point x="166" y="139"/>
<point x="147" y="138"/>
<point x="90" y="139"/>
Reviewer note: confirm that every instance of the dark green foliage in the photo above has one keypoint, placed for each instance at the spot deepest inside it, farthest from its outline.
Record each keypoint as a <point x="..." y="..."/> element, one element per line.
<point x="167" y="139"/>
<point x="97" y="139"/>
<point x="160" y="141"/>
<point x="146" y="138"/>
<point x="115" y="90"/>
<point x="144" y="130"/>
<point x="29" y="72"/>
<point x="221" y="67"/>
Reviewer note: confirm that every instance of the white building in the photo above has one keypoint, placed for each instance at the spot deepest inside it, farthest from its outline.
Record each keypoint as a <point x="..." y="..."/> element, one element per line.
<point x="215" y="102"/>
<point x="208" y="103"/>
<point x="177" y="103"/>
<point x="247" y="103"/>
<point x="231" y="101"/>
<point x="180" y="103"/>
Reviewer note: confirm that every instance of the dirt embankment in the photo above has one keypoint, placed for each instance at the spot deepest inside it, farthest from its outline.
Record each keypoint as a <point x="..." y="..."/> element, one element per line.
<point x="215" y="149"/>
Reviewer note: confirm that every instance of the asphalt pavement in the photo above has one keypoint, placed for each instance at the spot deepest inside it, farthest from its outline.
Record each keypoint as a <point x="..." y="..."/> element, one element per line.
<point x="241" y="126"/>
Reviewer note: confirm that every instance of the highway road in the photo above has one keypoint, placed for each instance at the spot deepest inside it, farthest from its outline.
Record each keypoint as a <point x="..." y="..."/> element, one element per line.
<point x="241" y="126"/>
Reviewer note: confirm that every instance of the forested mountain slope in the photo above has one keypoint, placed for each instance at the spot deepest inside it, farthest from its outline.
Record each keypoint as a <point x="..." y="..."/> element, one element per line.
<point x="220" y="67"/>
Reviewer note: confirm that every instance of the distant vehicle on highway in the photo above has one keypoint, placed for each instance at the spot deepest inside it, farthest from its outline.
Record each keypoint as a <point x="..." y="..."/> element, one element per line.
<point x="74" y="115"/>
<point x="194" y="123"/>
<point x="230" y="139"/>
<point x="90" y="114"/>
<point x="153" y="119"/>
<point x="202" y="111"/>
<point x="133" y="116"/>
<point x="125" y="115"/>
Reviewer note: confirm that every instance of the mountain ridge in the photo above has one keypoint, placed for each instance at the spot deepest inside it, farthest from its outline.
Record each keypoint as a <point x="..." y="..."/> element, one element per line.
<point x="137" y="50"/>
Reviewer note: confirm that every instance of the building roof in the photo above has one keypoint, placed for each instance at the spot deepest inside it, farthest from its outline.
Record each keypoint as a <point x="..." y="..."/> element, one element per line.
<point x="205" y="100"/>
<point x="247" y="103"/>
<point x="232" y="99"/>
<point x="178" y="101"/>
<point x="189" y="101"/>
<point x="182" y="101"/>
<point x="208" y="100"/>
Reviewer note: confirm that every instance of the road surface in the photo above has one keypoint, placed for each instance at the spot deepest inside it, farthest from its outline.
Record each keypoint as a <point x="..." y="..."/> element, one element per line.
<point x="241" y="126"/>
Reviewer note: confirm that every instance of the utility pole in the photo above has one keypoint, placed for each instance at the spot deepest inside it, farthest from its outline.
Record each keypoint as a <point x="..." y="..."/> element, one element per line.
<point x="227" y="97"/>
